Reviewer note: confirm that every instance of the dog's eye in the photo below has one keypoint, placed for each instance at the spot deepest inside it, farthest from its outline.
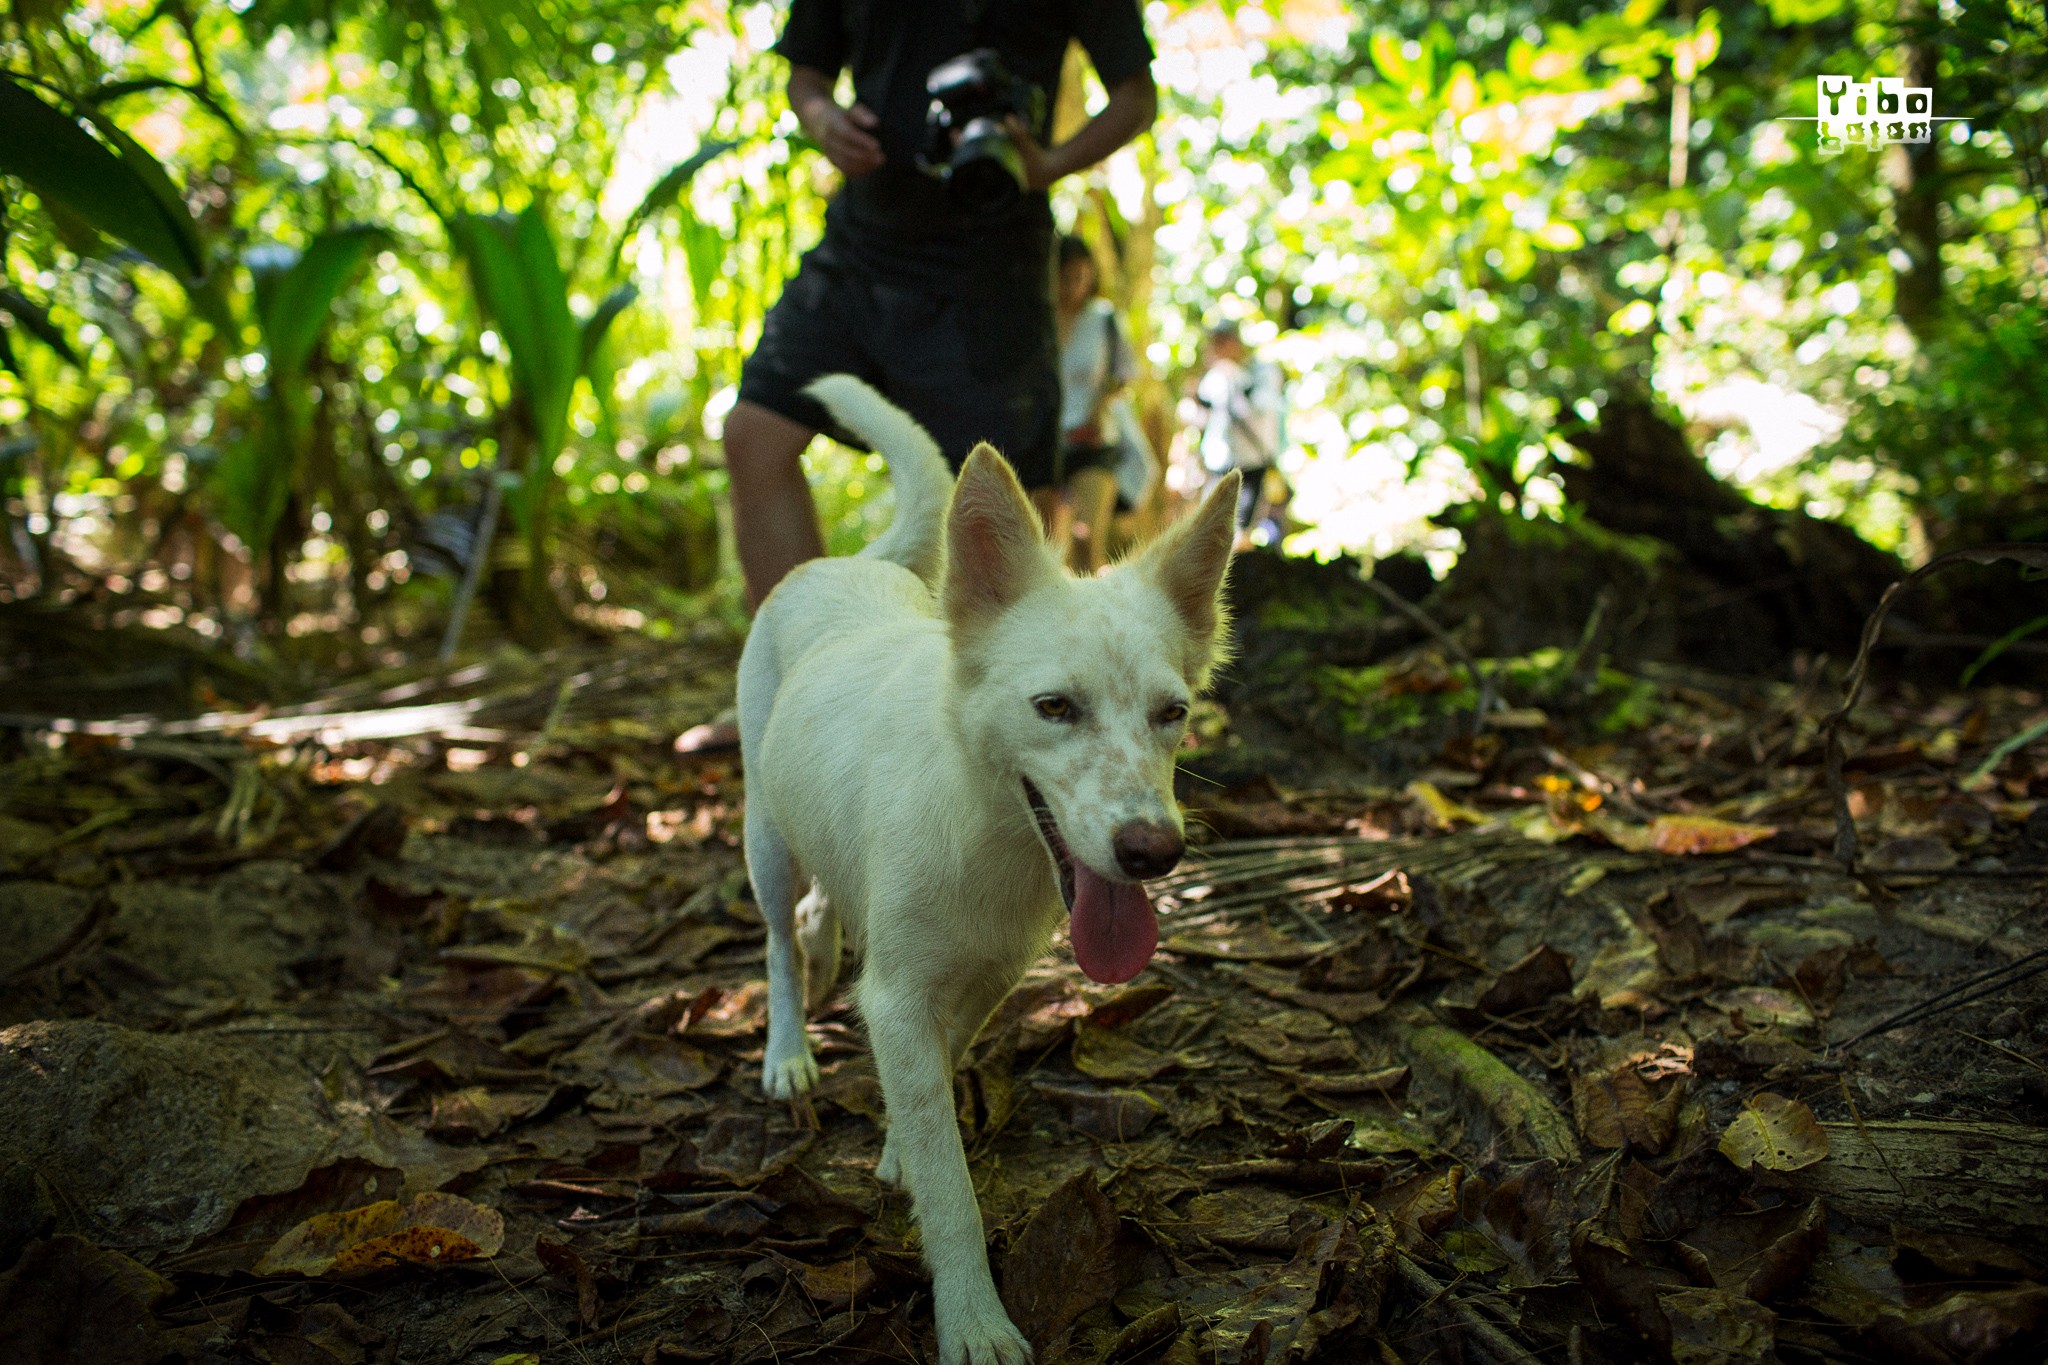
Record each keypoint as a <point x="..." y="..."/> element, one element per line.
<point x="1055" y="708"/>
<point x="1174" y="713"/>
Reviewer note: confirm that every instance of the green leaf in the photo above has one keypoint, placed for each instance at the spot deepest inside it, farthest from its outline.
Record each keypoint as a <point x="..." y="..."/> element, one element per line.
<point x="704" y="253"/>
<point x="1999" y="646"/>
<point x="121" y="191"/>
<point x="1386" y="55"/>
<point x="295" y="292"/>
<point x="253" y="481"/>
<point x="36" y="320"/>
<point x="521" y="289"/>
<point x="666" y="192"/>
<point x="593" y="330"/>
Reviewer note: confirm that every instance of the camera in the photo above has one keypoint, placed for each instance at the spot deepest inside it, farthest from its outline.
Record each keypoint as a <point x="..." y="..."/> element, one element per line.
<point x="966" y="144"/>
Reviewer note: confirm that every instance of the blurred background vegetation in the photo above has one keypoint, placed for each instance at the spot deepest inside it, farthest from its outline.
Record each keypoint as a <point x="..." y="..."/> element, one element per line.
<point x="306" y="300"/>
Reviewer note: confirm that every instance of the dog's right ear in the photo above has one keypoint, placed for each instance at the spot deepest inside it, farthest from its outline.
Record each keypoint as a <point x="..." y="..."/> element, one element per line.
<point x="1189" y="560"/>
<point x="994" y="550"/>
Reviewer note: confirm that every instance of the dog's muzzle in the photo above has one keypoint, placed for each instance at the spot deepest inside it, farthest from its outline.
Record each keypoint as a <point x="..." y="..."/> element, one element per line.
<point x="1049" y="831"/>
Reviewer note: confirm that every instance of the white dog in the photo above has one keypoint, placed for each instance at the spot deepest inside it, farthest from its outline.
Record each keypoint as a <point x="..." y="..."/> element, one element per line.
<point x="959" y="743"/>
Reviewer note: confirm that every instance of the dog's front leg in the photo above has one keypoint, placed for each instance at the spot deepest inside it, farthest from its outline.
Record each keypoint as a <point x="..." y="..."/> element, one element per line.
<point x="787" y="1068"/>
<point x="912" y="1055"/>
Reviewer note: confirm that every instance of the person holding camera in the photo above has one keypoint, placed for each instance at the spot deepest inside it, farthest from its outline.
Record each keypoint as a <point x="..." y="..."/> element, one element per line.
<point x="933" y="281"/>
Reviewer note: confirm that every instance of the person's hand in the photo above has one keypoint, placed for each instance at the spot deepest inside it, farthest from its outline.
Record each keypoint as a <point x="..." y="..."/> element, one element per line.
<point x="1040" y="167"/>
<point x="846" y="136"/>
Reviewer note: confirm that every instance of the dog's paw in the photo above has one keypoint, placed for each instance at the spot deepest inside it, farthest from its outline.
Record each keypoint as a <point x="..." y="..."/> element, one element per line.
<point x="788" y="1077"/>
<point x="986" y="1337"/>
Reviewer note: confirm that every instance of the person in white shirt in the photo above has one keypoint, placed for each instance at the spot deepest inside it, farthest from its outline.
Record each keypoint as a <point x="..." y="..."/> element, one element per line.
<point x="1242" y="403"/>
<point x="1095" y="362"/>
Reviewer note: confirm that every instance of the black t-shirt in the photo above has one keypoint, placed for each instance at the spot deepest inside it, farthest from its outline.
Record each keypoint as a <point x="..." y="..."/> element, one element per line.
<point x="898" y="217"/>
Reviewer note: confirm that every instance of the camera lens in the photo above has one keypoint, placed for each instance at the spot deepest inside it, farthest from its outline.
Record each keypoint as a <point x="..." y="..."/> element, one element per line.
<point x="987" y="171"/>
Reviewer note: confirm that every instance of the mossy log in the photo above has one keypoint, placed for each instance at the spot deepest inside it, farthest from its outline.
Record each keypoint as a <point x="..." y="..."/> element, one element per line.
<point x="1527" y="1120"/>
<point x="1988" y="1179"/>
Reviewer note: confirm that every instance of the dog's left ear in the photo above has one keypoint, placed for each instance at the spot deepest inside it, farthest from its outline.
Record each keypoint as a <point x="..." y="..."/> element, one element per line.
<point x="1189" y="560"/>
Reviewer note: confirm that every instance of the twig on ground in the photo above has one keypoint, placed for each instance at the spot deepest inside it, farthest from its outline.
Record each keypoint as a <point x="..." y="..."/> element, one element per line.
<point x="1955" y="997"/>
<point x="1846" y="849"/>
<point x="1493" y="1343"/>
<point x="1482" y="685"/>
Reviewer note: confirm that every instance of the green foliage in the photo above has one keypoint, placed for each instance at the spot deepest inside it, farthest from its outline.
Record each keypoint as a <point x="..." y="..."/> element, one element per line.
<point x="1458" y="226"/>
<point x="112" y="185"/>
<point x="36" y="321"/>
<point x="295" y="293"/>
<point x="521" y="288"/>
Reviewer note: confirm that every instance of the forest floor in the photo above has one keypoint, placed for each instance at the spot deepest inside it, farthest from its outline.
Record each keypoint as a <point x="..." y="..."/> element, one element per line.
<point x="422" y="1023"/>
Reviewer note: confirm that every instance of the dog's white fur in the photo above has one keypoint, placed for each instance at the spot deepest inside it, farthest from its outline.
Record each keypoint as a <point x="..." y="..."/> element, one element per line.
<point x="889" y="711"/>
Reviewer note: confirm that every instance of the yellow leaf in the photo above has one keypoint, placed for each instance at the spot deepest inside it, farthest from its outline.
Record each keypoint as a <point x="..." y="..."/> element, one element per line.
<point x="1441" y="808"/>
<point x="1461" y="92"/>
<point x="1776" y="1134"/>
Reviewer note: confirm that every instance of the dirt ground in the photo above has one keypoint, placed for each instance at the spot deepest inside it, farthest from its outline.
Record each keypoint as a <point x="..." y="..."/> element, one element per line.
<point x="422" y="1023"/>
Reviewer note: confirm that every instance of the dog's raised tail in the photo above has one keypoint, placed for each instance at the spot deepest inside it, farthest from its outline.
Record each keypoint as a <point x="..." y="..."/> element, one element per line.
<point x="916" y="537"/>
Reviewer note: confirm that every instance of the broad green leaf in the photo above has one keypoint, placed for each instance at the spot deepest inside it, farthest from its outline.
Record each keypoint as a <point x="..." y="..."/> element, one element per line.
<point x="1461" y="91"/>
<point x="122" y="191"/>
<point x="521" y="289"/>
<point x="1386" y="55"/>
<point x="1806" y="11"/>
<point x="1706" y="44"/>
<point x="594" y="329"/>
<point x="295" y="294"/>
<point x="253" y="480"/>
<point x="667" y="191"/>
<point x="36" y="321"/>
<point x="704" y="252"/>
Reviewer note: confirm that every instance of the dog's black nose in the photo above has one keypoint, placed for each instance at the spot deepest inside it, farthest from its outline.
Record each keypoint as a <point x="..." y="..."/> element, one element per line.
<point x="1145" y="850"/>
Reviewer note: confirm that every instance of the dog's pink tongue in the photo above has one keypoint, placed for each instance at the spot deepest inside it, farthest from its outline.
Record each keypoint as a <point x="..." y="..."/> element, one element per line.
<point x="1113" y="928"/>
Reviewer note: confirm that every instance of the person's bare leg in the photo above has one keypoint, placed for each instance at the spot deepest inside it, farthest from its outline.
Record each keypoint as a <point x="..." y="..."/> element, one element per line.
<point x="1092" y="492"/>
<point x="774" y="521"/>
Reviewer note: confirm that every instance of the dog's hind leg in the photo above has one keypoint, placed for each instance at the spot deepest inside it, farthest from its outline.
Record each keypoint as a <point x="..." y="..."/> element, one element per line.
<point x="787" y="1068"/>
<point x="817" y="933"/>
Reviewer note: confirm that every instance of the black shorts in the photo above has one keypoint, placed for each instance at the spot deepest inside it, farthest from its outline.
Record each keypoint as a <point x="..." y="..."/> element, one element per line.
<point x="971" y="360"/>
<point x="1074" y="459"/>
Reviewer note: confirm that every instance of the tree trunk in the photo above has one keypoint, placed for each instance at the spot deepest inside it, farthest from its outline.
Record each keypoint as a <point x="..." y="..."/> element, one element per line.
<point x="1914" y="172"/>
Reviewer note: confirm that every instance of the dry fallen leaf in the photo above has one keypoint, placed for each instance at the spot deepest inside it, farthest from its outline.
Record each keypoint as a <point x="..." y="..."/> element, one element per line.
<point x="1714" y="1327"/>
<point x="434" y="1229"/>
<point x="1063" y="1261"/>
<point x="1776" y="1134"/>
<point x="839" y="1285"/>
<point x="1694" y="834"/>
<point x="1113" y="1055"/>
<point x="1618" y="1108"/>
